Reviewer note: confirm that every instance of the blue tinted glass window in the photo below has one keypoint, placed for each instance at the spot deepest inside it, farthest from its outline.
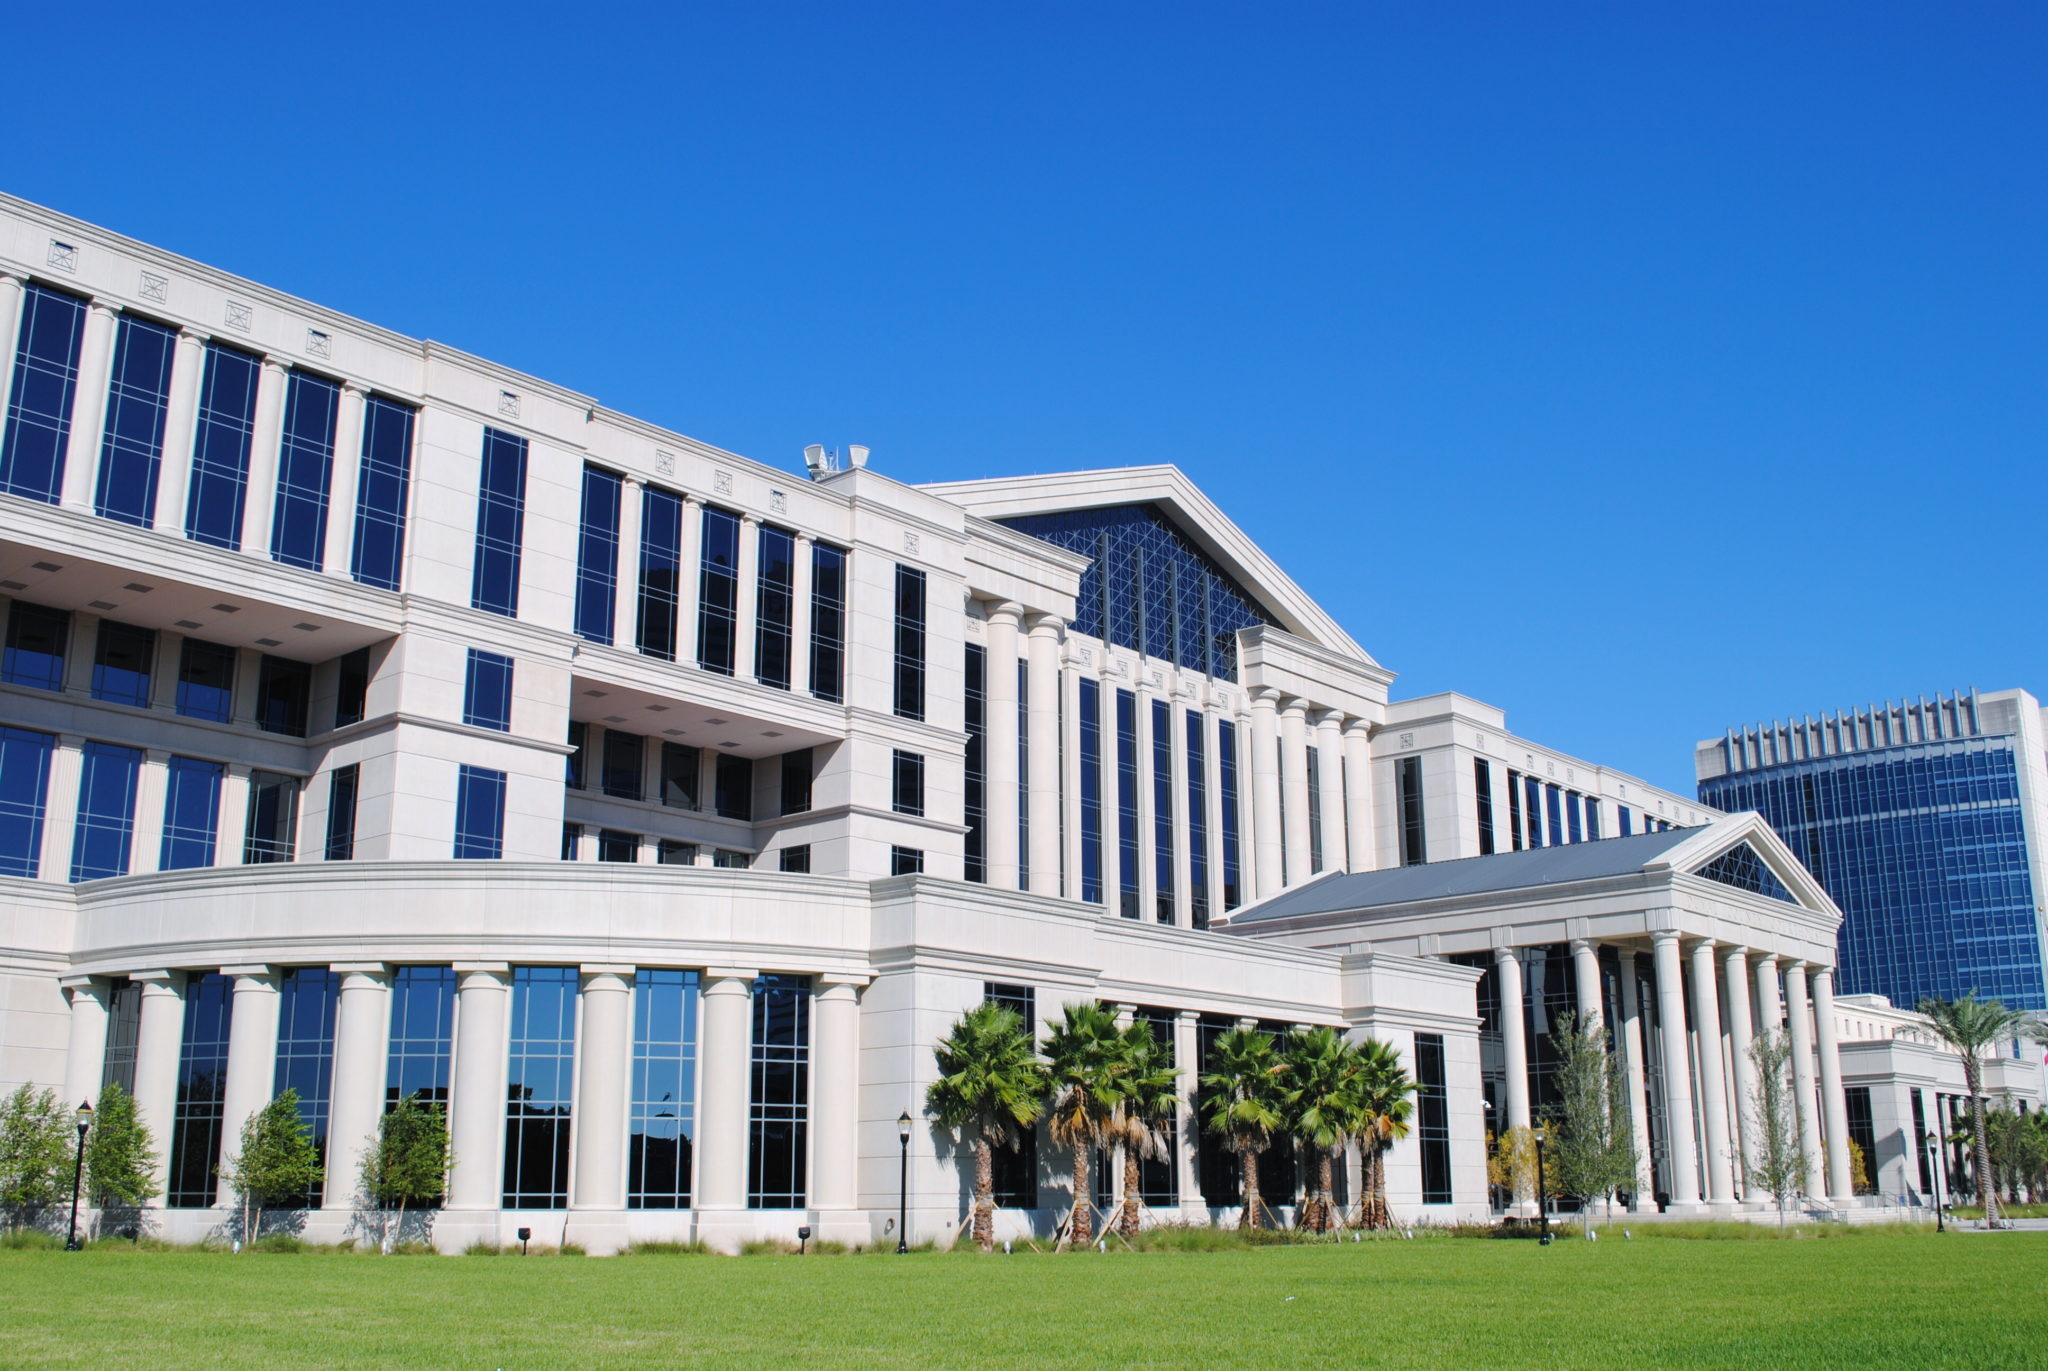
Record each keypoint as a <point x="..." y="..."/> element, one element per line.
<point x="305" y="469"/>
<point x="341" y="813"/>
<point x="24" y="796"/>
<point x="191" y="813"/>
<point x="220" y="447"/>
<point x="661" y="571"/>
<point x="1482" y="799"/>
<point x="1532" y="796"/>
<point x="1740" y="867"/>
<point x="976" y="799"/>
<point x="1628" y="820"/>
<point x="45" y="383"/>
<point x="1226" y="782"/>
<point x="1553" y="814"/>
<point x="137" y="401"/>
<point x="1091" y="790"/>
<point x="479" y="814"/>
<point x="487" y="691"/>
<point x="1414" y="836"/>
<point x="306" y="1001"/>
<point x="1162" y="808"/>
<point x="828" y="622"/>
<point x="543" y="1053"/>
<point x="273" y="818"/>
<point x="663" y="1123"/>
<point x="202" y="1081"/>
<point x="906" y="784"/>
<point x="778" y="1118"/>
<point x="422" y="1034"/>
<point x="1198" y="821"/>
<point x="597" y="555"/>
<point x="1150" y="588"/>
<point x="382" y="485"/>
<point x="37" y="637"/>
<point x="774" y="589"/>
<point x="718" y="591"/>
<point x="1574" y="818"/>
<point x="1433" y="1118"/>
<point x="1592" y="819"/>
<point x="123" y="664"/>
<point x="1127" y="803"/>
<point x="284" y="696"/>
<point x="910" y="595"/>
<point x="500" y="524"/>
<point x="106" y="811"/>
<point x="206" y="680"/>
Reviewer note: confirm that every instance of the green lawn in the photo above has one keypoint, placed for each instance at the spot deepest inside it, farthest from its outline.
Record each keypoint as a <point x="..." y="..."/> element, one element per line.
<point x="1855" y="1300"/>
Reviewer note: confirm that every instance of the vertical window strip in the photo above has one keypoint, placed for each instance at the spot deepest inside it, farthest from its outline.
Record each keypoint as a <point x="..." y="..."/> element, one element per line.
<point x="1414" y="846"/>
<point x="774" y="600"/>
<point x="1198" y="822"/>
<point x="1482" y="797"/>
<point x="1532" y="808"/>
<point x="138" y="399"/>
<point x="500" y="524"/>
<point x="1515" y="810"/>
<point x="1315" y="807"/>
<point x="24" y="799"/>
<point x="307" y="996"/>
<point x="1226" y="779"/>
<point x="341" y="813"/>
<point x="202" y="1078"/>
<point x="383" y="486"/>
<point x="910" y="635"/>
<point x="1127" y="803"/>
<point x="220" y="448"/>
<point x="479" y="814"/>
<point x="1023" y="775"/>
<point x="661" y="571"/>
<point x="662" y="1127"/>
<point x="45" y="385"/>
<point x="422" y="1034"/>
<point x="1091" y="790"/>
<point x="539" y="1077"/>
<point x="487" y="691"/>
<point x="1159" y="1176"/>
<point x="778" y="1115"/>
<point x="1553" y="815"/>
<point x="124" y="1029"/>
<point x="273" y="818"/>
<point x="718" y="591"/>
<point x="828" y="622"/>
<point x="106" y="811"/>
<point x="1162" y="810"/>
<point x="191" y="813"/>
<point x="305" y="472"/>
<point x="597" y="555"/>
<point x="1015" y="1170"/>
<point x="975" y="799"/>
<point x="1433" y="1128"/>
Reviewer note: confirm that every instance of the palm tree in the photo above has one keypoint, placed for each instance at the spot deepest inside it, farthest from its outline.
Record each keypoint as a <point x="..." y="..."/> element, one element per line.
<point x="1146" y="1096"/>
<point x="1386" y="1097"/>
<point x="1972" y="1026"/>
<point x="990" y="1088"/>
<point x="1320" y="1092"/>
<point x="1243" y="1089"/>
<point x="1083" y="1070"/>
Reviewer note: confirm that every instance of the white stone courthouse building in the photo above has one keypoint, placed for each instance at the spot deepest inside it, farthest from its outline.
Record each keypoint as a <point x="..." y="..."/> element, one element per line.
<point x="375" y="719"/>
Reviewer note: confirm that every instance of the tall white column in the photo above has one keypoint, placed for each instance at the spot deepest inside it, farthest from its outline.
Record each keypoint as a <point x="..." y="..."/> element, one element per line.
<point x="604" y="1067"/>
<point x="1586" y="973"/>
<point x="800" y="614"/>
<point x="1770" y="1004"/>
<point x="1678" y="1113"/>
<point x="1514" y="1033"/>
<point x="1735" y="979"/>
<point x="1706" y="1017"/>
<point x="835" y="1097"/>
<point x="343" y="486"/>
<point x="252" y="1059"/>
<point x="999" y="747"/>
<point x="1187" y="1064"/>
<point x="362" y="1020"/>
<point x="260" y="499"/>
<point x="689" y="576"/>
<point x="1294" y="787"/>
<point x="151" y="790"/>
<point x="181" y="420"/>
<point x="88" y="406"/>
<point x="1358" y="821"/>
<point x="10" y="330"/>
<point x="85" y="1052"/>
<point x="1330" y="788"/>
<point x="1070" y="774"/>
<point x="747" y="598"/>
<point x="1799" y="1013"/>
<point x="232" y="830"/>
<point x="1638" y="1080"/>
<point x="1148" y="860"/>
<point x="626" y="598"/>
<point x="476" y="1121"/>
<point x="60" y="807"/>
<point x="1267" y="849"/>
<point x="722" y="1121"/>
<point x="1212" y="800"/>
<point x="159" y="1042"/>
<point x="1834" y="1104"/>
<point x="1042" y="779"/>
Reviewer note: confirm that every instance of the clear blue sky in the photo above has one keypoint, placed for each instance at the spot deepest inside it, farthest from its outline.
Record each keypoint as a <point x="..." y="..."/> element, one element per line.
<point x="1640" y="369"/>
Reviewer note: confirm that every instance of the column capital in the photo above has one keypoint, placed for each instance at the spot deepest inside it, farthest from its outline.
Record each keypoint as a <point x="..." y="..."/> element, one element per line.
<point x="691" y="500"/>
<point x="355" y="390"/>
<point x="805" y="539"/>
<point x="481" y="975"/>
<point x="1664" y="937"/>
<point x="156" y="756"/>
<point x="1044" y="625"/>
<point x="10" y="277"/>
<point x="632" y="478"/>
<point x="360" y="968"/>
<point x="1265" y="697"/>
<point x="277" y="364"/>
<point x="750" y="520"/>
<point x="1329" y="718"/>
<point x="1006" y="609"/>
<point x="195" y="336"/>
<point x="856" y="979"/>
<point x="255" y="978"/>
<point x="1768" y="960"/>
<point x="1793" y="966"/>
<point x="1188" y="1016"/>
<point x="716" y="976"/>
<point x="88" y="985"/>
<point x="112" y="311"/>
<point x="606" y="978"/>
<point x="155" y="980"/>
<point x="1817" y="974"/>
<point x="1502" y="951"/>
<point x="1360" y="729"/>
<point x="1732" y="951"/>
<point x="73" y="741"/>
<point x="1579" y="945"/>
<point x="1294" y="705"/>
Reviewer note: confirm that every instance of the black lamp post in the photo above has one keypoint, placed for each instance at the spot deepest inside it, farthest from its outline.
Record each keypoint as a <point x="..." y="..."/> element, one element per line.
<point x="1935" y="1159"/>
<point x="903" y="1190"/>
<point x="82" y="1116"/>
<point x="1542" y="1199"/>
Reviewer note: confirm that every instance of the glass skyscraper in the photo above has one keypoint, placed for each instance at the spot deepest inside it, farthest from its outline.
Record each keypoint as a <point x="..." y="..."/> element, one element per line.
<point x="1924" y="822"/>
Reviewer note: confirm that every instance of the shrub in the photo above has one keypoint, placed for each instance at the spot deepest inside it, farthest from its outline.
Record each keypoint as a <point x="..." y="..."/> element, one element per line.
<point x="29" y="1239"/>
<point x="667" y="1249"/>
<point x="481" y="1248"/>
<point x="281" y="1242"/>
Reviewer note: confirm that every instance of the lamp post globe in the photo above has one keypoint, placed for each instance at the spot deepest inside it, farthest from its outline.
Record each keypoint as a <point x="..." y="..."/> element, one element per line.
<point x="903" y="1186"/>
<point x="82" y="1117"/>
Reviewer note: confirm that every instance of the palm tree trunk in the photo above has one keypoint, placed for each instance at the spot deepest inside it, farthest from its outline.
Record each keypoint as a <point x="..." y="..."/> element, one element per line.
<point x="1249" y="1161"/>
<point x="1326" y="1187"/>
<point x="1127" y="1219"/>
<point x="984" y="1195"/>
<point x="1084" y="1201"/>
<point x="1381" y="1216"/>
<point x="1972" y="1077"/>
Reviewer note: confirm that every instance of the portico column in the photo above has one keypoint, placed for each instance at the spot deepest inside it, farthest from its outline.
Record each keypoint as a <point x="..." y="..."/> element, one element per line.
<point x="1685" y="1174"/>
<point x="1586" y="975"/>
<point x="1834" y="1104"/>
<point x="1187" y="1063"/>
<point x="159" y="1042"/>
<point x="1706" y="1017"/>
<point x="999" y="746"/>
<point x="362" y="1019"/>
<point x="626" y="598"/>
<point x="835" y="1093"/>
<point x="1294" y="785"/>
<point x="1735" y="980"/>
<point x="260" y="496"/>
<point x="1800" y="1013"/>
<point x="1042" y="781"/>
<point x="722" y="1126"/>
<point x="1507" y="974"/>
<point x="604" y="1064"/>
<point x="338" y="555"/>
<point x="85" y="1053"/>
<point x="252" y="1060"/>
<point x="88" y="410"/>
<point x="1638" y="1081"/>
<point x="181" y="420"/>
<point x="1770" y="1004"/>
<point x="476" y="1123"/>
<point x="1358" y="826"/>
<point x="1330" y="789"/>
<point x="1266" y="844"/>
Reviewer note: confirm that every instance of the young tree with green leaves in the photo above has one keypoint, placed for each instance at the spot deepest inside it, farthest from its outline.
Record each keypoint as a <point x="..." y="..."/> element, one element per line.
<point x="1591" y="1151"/>
<point x="1971" y="1027"/>
<point x="1386" y="1096"/>
<point x="407" y="1161"/>
<point x="1241" y="1088"/>
<point x="1083" y="1054"/>
<point x="1145" y="1099"/>
<point x="990" y="1091"/>
<point x="275" y="1162"/>
<point x="1779" y="1163"/>
<point x="120" y="1156"/>
<point x="37" y="1144"/>
<point x="1320" y="1100"/>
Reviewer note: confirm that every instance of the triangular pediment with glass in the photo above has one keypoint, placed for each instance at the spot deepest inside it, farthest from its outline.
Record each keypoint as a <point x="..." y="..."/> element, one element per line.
<point x="1742" y="867"/>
